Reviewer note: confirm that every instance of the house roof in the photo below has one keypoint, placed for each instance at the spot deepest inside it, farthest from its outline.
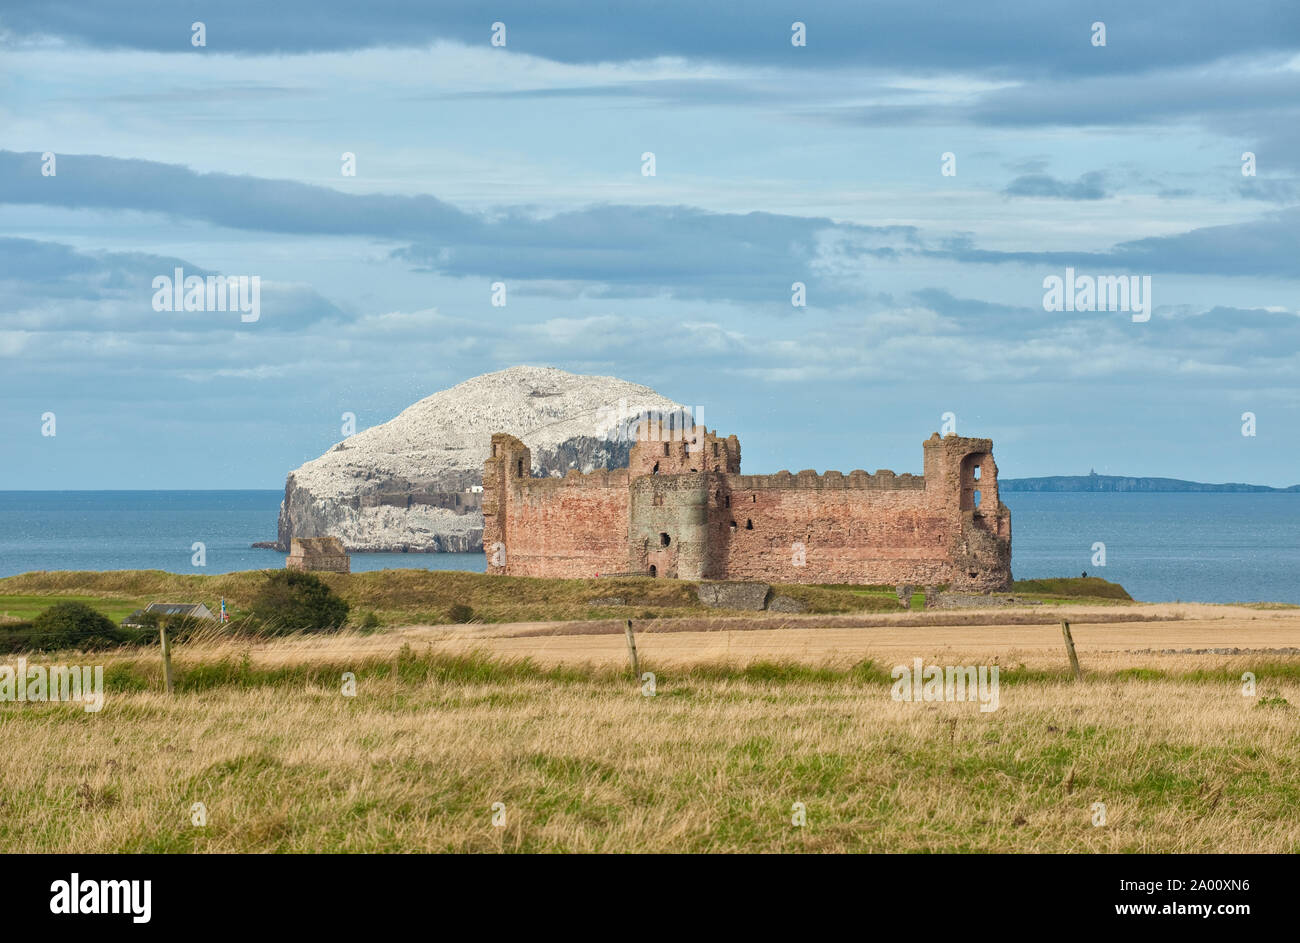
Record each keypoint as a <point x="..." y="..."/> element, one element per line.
<point x="176" y="608"/>
<point x="193" y="609"/>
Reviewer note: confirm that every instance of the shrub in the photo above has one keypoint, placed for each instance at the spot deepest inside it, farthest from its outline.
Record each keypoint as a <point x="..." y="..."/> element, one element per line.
<point x="75" y="625"/>
<point x="459" y="612"/>
<point x="293" y="600"/>
<point x="15" y="636"/>
<point x="369" y="621"/>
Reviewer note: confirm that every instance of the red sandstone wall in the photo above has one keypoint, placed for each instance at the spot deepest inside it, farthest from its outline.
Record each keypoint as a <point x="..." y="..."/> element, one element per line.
<point x="849" y="535"/>
<point x="857" y="528"/>
<point x="569" y="527"/>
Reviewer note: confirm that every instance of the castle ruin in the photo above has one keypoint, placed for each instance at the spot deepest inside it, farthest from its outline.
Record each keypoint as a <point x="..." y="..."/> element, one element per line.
<point x="318" y="554"/>
<point x="683" y="510"/>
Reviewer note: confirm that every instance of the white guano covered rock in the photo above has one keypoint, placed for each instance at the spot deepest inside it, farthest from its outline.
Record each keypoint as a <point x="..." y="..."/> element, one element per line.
<point x="406" y="485"/>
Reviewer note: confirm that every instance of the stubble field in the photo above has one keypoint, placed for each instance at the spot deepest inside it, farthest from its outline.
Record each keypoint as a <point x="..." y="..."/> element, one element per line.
<point x="446" y="722"/>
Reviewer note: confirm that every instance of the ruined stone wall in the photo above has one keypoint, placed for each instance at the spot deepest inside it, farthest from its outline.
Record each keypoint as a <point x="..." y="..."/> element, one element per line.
<point x="684" y="511"/>
<point x="835" y="528"/>
<point x="662" y="451"/>
<point x="569" y="527"/>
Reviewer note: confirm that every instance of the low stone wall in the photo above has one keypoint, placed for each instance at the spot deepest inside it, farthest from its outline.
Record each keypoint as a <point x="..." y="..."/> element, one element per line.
<point x="751" y="596"/>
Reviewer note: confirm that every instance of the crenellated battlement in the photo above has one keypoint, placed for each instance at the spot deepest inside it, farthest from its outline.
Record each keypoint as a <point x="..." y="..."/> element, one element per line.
<point x="881" y="480"/>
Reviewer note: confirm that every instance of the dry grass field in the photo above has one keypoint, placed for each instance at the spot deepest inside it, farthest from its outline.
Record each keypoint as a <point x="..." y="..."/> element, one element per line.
<point x="745" y="722"/>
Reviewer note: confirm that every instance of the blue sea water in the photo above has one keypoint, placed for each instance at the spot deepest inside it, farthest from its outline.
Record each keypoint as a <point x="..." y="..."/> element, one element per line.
<point x="1161" y="547"/>
<point x="1164" y="547"/>
<point x="155" y="530"/>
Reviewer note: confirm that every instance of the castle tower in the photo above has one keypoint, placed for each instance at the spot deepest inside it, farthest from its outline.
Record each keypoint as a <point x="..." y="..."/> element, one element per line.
<point x="661" y="449"/>
<point x="961" y="479"/>
<point x="508" y="462"/>
<point x="961" y="472"/>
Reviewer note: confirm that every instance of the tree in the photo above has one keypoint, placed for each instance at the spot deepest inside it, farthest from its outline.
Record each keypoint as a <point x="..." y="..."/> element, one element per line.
<point x="75" y="625"/>
<point x="293" y="600"/>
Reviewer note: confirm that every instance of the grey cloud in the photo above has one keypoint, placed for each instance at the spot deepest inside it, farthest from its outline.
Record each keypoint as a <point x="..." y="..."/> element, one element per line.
<point x="1268" y="246"/>
<point x="49" y="286"/>
<point x="1090" y="186"/>
<point x="1016" y="37"/>
<point x="1272" y="191"/>
<point x="1229" y="95"/>
<point x="678" y="250"/>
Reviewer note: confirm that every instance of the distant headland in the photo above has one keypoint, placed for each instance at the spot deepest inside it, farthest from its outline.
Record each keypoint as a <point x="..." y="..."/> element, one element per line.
<point x="1092" y="482"/>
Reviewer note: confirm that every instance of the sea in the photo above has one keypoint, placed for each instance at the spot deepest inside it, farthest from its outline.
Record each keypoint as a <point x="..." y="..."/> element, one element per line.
<point x="1161" y="547"/>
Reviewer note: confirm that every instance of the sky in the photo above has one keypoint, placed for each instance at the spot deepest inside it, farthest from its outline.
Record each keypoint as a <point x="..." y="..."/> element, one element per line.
<point x="921" y="169"/>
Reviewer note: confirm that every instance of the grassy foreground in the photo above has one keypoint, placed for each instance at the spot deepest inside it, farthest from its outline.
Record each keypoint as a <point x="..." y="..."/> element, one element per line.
<point x="407" y="597"/>
<point x="582" y="761"/>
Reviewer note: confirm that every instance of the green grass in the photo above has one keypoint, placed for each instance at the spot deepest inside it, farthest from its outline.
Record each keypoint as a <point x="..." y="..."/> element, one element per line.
<point x="140" y="673"/>
<point x="27" y="607"/>
<point x="412" y="596"/>
<point x="443" y="596"/>
<point x="1087" y="587"/>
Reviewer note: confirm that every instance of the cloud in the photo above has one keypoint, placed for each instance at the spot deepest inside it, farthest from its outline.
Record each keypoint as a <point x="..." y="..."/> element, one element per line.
<point x="1228" y="94"/>
<point x="1088" y="187"/>
<point x="236" y="201"/>
<point x="1264" y="247"/>
<point x="1272" y="191"/>
<point x="1016" y="37"/>
<point x="49" y="287"/>
<point x="678" y="250"/>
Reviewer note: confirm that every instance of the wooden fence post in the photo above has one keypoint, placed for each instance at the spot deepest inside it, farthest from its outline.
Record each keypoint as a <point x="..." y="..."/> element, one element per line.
<point x="631" y="651"/>
<point x="167" y="657"/>
<point x="1069" y="648"/>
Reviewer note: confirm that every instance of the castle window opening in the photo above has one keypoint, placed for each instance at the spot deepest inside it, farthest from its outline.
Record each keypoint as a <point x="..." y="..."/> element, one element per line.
<point x="521" y="468"/>
<point x="727" y="499"/>
<point x="977" y="473"/>
<point x="654" y="570"/>
<point x="977" y="499"/>
<point x="665" y="448"/>
<point x="733" y="525"/>
<point x="715" y="450"/>
<point x="753" y="499"/>
<point x="664" y="540"/>
<point x="749" y="525"/>
<point x="655" y="470"/>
